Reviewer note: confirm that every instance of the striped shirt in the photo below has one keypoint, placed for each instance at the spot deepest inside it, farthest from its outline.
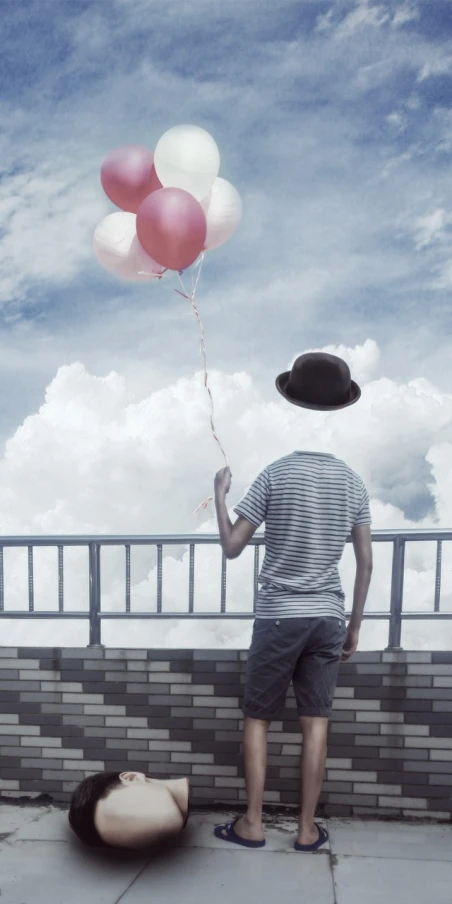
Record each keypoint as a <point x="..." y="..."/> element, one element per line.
<point x="310" y="501"/>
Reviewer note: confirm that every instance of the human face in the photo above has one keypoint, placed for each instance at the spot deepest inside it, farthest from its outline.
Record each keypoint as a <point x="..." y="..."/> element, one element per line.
<point x="143" y="812"/>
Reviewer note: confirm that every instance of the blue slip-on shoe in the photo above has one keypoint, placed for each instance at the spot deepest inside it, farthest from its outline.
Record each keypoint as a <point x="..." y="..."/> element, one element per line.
<point x="309" y="848"/>
<point x="231" y="835"/>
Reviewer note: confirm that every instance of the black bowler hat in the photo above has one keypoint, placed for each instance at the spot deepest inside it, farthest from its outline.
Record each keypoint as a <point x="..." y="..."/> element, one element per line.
<point x="320" y="381"/>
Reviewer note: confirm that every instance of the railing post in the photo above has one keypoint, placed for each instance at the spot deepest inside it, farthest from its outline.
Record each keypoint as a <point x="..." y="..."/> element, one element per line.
<point x="439" y="547"/>
<point x="94" y="596"/>
<point x="395" y="622"/>
<point x="223" y="583"/>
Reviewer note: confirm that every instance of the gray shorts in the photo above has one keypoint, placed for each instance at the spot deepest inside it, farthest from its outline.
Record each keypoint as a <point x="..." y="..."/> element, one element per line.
<point x="306" y="651"/>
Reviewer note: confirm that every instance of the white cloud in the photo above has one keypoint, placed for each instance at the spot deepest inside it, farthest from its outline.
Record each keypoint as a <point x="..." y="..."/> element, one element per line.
<point x="362" y="359"/>
<point x="431" y="227"/>
<point x="407" y="12"/>
<point x="397" y="121"/>
<point x="365" y="14"/>
<point x="48" y="235"/>
<point x="436" y="65"/>
<point x="325" y="21"/>
<point x="444" y="278"/>
<point x="433" y="230"/>
<point x="95" y="460"/>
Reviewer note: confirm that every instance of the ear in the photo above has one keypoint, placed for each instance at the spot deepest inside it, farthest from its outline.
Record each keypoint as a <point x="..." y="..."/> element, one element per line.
<point x="128" y="777"/>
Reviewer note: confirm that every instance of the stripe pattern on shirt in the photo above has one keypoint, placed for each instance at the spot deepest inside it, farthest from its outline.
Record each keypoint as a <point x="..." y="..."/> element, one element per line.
<point x="310" y="501"/>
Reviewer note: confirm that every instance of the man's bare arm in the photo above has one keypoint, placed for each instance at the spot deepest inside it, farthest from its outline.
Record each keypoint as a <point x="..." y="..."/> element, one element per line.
<point x="233" y="537"/>
<point x="362" y="545"/>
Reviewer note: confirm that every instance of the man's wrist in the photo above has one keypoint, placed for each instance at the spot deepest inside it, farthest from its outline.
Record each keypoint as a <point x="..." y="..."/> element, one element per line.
<point x="354" y="625"/>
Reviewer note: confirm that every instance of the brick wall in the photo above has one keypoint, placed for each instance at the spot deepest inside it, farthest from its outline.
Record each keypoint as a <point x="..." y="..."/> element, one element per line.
<point x="67" y="713"/>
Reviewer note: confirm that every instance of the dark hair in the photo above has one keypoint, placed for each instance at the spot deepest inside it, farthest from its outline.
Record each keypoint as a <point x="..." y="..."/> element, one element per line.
<point x="83" y="803"/>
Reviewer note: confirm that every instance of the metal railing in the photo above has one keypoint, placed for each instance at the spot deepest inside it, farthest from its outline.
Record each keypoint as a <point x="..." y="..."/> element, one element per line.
<point x="394" y="614"/>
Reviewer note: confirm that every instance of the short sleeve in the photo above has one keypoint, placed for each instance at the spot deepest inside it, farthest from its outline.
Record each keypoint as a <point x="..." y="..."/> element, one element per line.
<point x="364" y="516"/>
<point x="254" y="504"/>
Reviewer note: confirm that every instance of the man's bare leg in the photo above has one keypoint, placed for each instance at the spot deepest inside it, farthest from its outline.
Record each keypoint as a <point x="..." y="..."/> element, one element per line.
<point x="255" y="756"/>
<point x="313" y="758"/>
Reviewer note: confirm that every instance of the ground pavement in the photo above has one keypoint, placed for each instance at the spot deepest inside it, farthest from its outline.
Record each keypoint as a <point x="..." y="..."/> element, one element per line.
<point x="42" y="862"/>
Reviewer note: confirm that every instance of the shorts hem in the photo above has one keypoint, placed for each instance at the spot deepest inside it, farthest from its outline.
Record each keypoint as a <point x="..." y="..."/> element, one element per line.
<point x="265" y="717"/>
<point x="325" y="714"/>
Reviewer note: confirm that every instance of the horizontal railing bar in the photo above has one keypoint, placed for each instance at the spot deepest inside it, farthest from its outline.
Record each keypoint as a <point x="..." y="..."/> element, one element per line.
<point x="56" y="614"/>
<point x="94" y="543"/>
<point x="185" y="539"/>
<point x="434" y="616"/>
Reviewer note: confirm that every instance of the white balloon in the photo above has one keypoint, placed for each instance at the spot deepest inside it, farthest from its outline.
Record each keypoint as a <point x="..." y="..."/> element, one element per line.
<point x="187" y="157"/>
<point x="223" y="210"/>
<point x="118" y="250"/>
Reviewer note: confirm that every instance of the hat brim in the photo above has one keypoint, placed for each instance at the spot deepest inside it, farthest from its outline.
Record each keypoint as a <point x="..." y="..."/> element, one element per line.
<point x="281" y="385"/>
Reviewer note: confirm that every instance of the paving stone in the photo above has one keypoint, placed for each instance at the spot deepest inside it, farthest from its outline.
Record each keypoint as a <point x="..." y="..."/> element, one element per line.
<point x="205" y="758"/>
<point x="355" y="799"/>
<point x="410" y="730"/>
<point x="20" y="685"/>
<point x="406" y="656"/>
<point x="93" y="733"/>
<point x="355" y="728"/>
<point x="379" y="717"/>
<point x="216" y="655"/>
<point x="370" y="788"/>
<point x="430" y="742"/>
<point x="414" y="803"/>
<point x="156" y="655"/>
<point x="357" y="704"/>
<point x="126" y="744"/>
<point x="9" y="674"/>
<point x="434" y="693"/>
<point x="434" y="669"/>
<point x="381" y="669"/>
<point x="85" y="721"/>
<point x="407" y="681"/>
<point x="351" y="775"/>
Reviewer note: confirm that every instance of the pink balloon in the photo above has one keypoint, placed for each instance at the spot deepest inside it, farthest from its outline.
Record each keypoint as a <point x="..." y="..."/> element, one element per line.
<point x="126" y="176"/>
<point x="171" y="226"/>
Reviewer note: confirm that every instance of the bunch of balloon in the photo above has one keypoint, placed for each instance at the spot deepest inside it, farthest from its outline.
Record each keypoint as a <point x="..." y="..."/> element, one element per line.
<point x="173" y="205"/>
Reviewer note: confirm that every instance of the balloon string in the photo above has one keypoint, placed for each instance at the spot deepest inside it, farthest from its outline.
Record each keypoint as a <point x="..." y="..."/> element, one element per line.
<point x="191" y="298"/>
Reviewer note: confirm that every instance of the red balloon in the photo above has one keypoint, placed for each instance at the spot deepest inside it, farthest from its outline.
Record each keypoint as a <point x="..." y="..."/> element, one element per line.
<point x="171" y="227"/>
<point x="127" y="176"/>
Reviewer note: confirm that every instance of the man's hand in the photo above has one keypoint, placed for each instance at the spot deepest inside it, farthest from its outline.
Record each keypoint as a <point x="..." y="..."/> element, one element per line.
<point x="223" y="481"/>
<point x="351" y="643"/>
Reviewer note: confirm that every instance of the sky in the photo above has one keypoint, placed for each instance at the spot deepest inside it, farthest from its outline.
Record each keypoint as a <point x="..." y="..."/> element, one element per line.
<point x="334" y="123"/>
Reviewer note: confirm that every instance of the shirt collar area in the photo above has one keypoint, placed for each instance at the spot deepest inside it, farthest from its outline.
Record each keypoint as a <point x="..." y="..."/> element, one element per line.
<point x="307" y="452"/>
